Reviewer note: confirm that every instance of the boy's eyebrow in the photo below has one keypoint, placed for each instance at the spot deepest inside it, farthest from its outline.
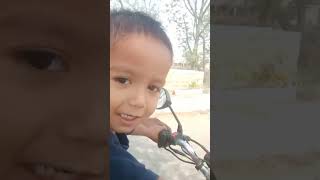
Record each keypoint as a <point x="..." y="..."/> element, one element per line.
<point x="121" y="68"/>
<point x="162" y="82"/>
<point x="125" y="69"/>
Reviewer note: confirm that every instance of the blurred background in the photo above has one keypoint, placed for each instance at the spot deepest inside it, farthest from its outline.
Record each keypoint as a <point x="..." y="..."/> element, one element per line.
<point x="266" y="89"/>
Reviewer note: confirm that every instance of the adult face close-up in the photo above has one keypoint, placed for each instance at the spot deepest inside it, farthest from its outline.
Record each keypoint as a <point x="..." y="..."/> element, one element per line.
<point x="52" y="95"/>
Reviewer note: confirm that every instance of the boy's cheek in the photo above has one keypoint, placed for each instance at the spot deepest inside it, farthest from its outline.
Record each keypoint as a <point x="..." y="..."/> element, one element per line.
<point x="152" y="106"/>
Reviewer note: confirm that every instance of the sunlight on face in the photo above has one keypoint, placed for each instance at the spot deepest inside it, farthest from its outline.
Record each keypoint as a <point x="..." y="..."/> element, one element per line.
<point x="139" y="65"/>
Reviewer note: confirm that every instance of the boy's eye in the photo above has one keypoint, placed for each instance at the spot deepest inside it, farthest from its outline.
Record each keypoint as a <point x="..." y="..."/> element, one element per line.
<point x="154" y="88"/>
<point x="42" y="59"/>
<point x="122" y="80"/>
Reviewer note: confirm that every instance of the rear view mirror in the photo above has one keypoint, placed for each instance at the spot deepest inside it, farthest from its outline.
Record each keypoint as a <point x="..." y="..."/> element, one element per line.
<point x="164" y="99"/>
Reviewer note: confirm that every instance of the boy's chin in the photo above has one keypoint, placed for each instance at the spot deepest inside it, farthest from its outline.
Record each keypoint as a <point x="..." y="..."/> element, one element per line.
<point x="124" y="130"/>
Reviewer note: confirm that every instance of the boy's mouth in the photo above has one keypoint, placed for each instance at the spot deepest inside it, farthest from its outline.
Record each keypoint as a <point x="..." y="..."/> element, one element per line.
<point x="128" y="117"/>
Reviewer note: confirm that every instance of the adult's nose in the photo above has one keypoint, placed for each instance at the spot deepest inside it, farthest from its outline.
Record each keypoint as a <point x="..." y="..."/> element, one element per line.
<point x="85" y="115"/>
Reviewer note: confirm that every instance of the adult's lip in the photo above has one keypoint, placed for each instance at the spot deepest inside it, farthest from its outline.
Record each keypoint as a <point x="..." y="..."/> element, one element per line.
<point x="55" y="171"/>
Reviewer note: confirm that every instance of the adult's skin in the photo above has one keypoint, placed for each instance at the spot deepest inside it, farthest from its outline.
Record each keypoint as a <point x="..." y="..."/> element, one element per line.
<point x="52" y="95"/>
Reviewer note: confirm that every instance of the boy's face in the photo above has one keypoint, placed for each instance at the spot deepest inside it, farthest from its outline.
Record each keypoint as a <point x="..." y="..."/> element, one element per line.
<point x="139" y="65"/>
<point x="51" y="108"/>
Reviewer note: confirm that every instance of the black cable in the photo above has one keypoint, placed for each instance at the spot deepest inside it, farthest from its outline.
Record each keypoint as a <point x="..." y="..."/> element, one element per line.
<point x="206" y="161"/>
<point x="180" y="153"/>
<point x="178" y="157"/>
<point x="200" y="145"/>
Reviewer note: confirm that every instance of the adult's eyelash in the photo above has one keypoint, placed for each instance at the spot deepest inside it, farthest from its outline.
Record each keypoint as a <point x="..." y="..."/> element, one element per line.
<point x="41" y="58"/>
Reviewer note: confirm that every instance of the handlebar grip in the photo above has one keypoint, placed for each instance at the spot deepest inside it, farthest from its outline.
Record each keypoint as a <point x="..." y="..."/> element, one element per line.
<point x="164" y="138"/>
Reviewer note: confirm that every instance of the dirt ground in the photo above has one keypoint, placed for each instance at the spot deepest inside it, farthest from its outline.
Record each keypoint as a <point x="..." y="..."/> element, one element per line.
<point x="273" y="136"/>
<point x="271" y="167"/>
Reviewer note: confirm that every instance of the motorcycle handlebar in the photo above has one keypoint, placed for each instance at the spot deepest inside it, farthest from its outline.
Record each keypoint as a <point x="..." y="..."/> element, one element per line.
<point x="199" y="163"/>
<point x="166" y="139"/>
<point x="207" y="158"/>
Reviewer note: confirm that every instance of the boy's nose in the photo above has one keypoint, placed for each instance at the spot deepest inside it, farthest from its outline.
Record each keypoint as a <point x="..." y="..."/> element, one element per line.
<point x="138" y="98"/>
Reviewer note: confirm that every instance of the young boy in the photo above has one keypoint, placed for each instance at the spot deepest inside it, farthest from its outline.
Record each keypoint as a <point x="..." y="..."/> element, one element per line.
<point x="52" y="94"/>
<point x="140" y="59"/>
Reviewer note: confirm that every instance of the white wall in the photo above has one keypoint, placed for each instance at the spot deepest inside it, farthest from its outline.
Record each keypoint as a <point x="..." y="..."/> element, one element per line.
<point x="180" y="79"/>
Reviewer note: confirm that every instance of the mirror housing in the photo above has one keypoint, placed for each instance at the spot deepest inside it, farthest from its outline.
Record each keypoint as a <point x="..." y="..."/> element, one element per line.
<point x="164" y="99"/>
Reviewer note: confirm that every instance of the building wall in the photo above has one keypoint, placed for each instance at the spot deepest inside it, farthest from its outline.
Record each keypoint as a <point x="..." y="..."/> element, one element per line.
<point x="262" y="46"/>
<point x="312" y="15"/>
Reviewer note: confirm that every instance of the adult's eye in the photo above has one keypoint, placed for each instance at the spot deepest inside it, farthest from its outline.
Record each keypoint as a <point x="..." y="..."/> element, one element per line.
<point x="42" y="59"/>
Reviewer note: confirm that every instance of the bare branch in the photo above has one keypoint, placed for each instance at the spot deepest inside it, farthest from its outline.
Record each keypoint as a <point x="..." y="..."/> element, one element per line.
<point x="188" y="7"/>
<point x="195" y="7"/>
<point x="186" y="34"/>
<point x="202" y="5"/>
<point x="206" y="5"/>
<point x="202" y="13"/>
<point x="150" y="4"/>
<point x="194" y="32"/>
<point x="131" y="5"/>
<point x="145" y="5"/>
<point x="193" y="28"/>
<point x="121" y="4"/>
<point x="204" y="28"/>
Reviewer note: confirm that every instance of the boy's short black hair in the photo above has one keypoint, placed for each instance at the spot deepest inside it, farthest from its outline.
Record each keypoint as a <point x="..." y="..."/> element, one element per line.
<point x="123" y="22"/>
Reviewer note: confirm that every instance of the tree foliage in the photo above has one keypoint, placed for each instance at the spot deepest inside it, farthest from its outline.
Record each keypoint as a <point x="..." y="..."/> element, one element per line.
<point x="150" y="7"/>
<point x="192" y="19"/>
